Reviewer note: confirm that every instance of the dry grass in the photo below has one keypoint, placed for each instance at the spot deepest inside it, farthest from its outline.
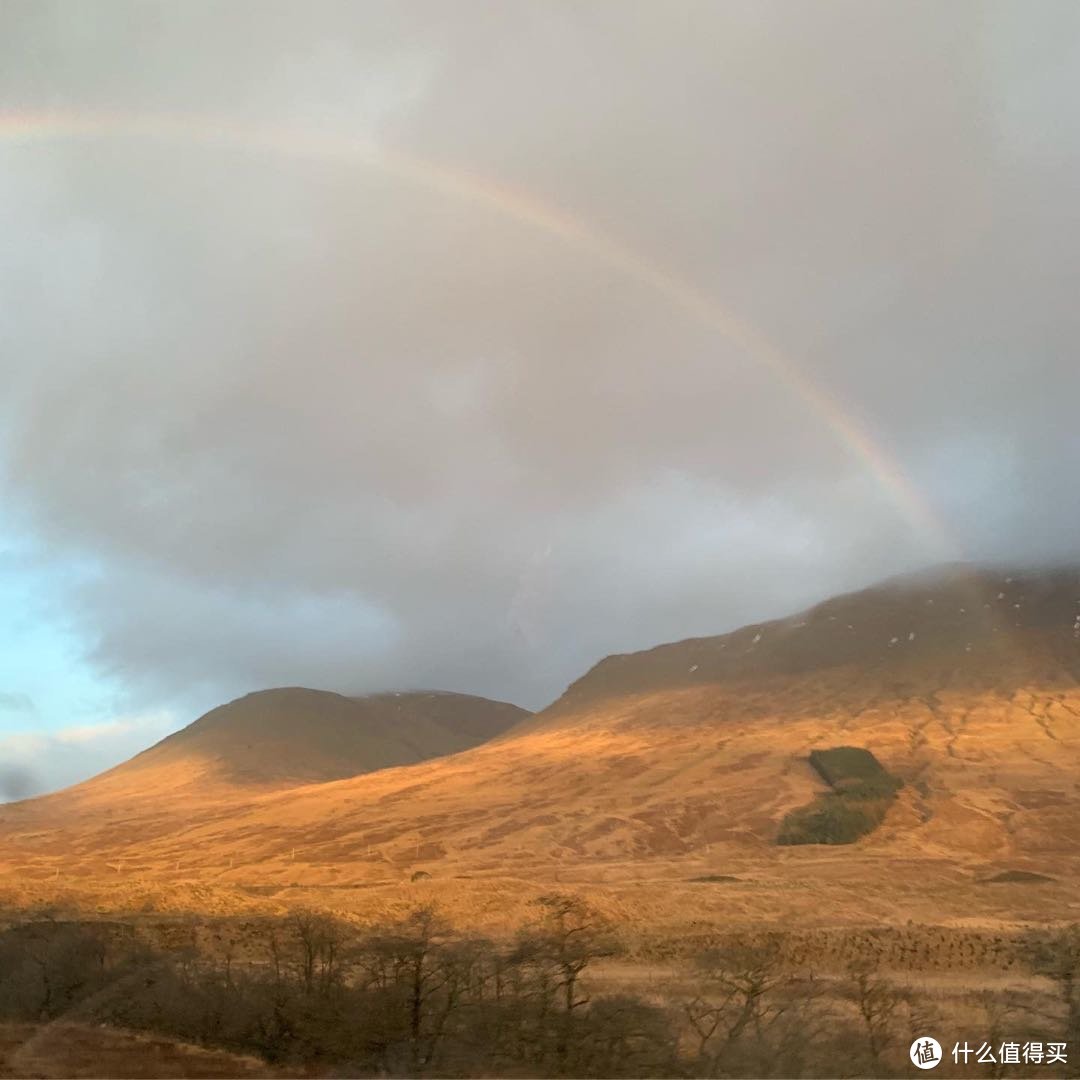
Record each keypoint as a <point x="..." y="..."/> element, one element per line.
<point x="655" y="770"/>
<point x="626" y="801"/>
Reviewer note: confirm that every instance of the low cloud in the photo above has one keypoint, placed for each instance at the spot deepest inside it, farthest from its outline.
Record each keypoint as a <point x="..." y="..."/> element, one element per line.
<point x="35" y="762"/>
<point x="313" y="420"/>
<point x="17" y="783"/>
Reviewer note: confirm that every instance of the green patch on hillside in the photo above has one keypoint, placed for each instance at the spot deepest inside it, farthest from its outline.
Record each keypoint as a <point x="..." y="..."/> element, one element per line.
<point x="861" y="794"/>
<point x="847" y="768"/>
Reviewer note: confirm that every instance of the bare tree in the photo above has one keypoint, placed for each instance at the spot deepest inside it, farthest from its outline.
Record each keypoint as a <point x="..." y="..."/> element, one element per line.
<point x="320" y="939"/>
<point x="415" y="960"/>
<point x="878" y="1003"/>
<point x="1056" y="956"/>
<point x="739" y="996"/>
<point x="568" y="936"/>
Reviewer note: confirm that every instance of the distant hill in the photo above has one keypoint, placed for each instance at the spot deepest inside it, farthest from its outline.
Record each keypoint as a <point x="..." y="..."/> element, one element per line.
<point x="295" y="734"/>
<point x="292" y="735"/>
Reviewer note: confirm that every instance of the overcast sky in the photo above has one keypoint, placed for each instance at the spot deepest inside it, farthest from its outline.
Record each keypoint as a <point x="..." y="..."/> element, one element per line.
<point x="363" y="346"/>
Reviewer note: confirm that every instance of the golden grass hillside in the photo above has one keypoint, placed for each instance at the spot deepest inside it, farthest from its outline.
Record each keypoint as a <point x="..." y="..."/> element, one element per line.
<point x="279" y="738"/>
<point x="659" y="768"/>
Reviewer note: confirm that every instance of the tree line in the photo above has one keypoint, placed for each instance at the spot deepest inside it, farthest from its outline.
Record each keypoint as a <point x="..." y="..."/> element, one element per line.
<point x="414" y="997"/>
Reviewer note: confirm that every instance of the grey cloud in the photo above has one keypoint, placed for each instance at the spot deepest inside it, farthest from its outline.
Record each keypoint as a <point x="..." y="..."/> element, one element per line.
<point x="16" y="783"/>
<point x="317" y="422"/>
<point x="34" y="762"/>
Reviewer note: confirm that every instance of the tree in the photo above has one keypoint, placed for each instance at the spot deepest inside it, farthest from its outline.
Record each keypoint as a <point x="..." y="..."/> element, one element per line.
<point x="1056" y="956"/>
<point x="416" y="962"/>
<point x="567" y="937"/>
<point x="740" y="981"/>
<point x="878" y="1003"/>
<point x="320" y="939"/>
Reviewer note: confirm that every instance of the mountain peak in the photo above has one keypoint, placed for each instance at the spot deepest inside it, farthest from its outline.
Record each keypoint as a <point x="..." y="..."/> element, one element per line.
<point x="296" y="735"/>
<point x="982" y="621"/>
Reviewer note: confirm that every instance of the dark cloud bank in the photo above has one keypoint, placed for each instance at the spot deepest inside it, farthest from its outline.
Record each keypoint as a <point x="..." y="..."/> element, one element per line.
<point x="305" y="421"/>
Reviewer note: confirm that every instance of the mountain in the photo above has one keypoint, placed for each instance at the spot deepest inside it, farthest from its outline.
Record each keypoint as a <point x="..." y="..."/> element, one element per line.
<point x="299" y="735"/>
<point x="681" y="762"/>
<point x="291" y="736"/>
<point x="952" y="624"/>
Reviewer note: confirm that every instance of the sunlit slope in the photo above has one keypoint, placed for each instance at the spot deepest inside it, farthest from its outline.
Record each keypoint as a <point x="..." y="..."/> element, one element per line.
<point x="952" y="623"/>
<point x="686" y="757"/>
<point x="299" y="735"/>
<point x="285" y="737"/>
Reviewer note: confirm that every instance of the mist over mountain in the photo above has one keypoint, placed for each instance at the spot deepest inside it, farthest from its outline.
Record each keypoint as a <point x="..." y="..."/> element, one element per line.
<point x="957" y="621"/>
<point x="458" y="351"/>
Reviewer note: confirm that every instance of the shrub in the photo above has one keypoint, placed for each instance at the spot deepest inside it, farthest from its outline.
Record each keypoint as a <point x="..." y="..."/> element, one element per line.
<point x="861" y="793"/>
<point x="843" y="765"/>
<point x="830" y="819"/>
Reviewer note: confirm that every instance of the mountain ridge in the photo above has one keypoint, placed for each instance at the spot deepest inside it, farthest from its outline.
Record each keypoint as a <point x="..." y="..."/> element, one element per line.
<point x="985" y="602"/>
<point x="291" y="736"/>
<point x="647" y="771"/>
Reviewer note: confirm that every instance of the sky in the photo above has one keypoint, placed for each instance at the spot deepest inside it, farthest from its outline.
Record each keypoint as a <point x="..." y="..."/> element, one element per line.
<point x="459" y="345"/>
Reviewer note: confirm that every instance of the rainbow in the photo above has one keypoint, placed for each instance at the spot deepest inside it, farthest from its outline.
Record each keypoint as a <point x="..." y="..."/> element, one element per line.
<point x="526" y="209"/>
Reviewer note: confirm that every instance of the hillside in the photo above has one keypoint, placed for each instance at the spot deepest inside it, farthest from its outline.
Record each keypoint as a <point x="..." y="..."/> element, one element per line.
<point x="290" y="736"/>
<point x="299" y="735"/>
<point x="984" y="628"/>
<point x="681" y="762"/>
